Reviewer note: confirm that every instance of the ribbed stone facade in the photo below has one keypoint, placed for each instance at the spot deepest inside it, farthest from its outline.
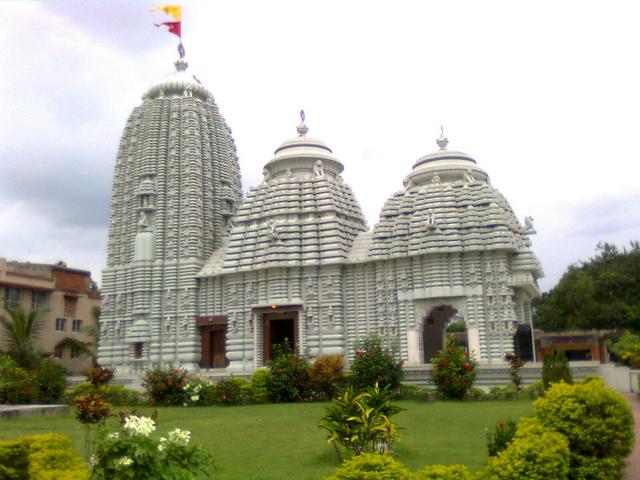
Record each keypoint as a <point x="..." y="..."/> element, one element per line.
<point x="195" y="276"/>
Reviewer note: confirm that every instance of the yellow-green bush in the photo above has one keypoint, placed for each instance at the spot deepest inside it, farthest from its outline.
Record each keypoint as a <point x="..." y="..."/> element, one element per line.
<point x="116" y="395"/>
<point x="596" y="420"/>
<point x="259" y="386"/>
<point x="536" y="453"/>
<point x="443" y="472"/>
<point x="326" y="376"/>
<point x="372" y="466"/>
<point x="41" y="457"/>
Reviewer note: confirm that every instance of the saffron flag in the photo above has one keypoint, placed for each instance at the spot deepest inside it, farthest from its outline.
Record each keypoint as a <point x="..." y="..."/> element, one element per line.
<point x="174" y="27"/>
<point x="174" y="10"/>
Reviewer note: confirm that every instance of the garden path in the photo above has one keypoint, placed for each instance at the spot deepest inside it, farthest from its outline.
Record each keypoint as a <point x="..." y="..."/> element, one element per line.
<point x="633" y="462"/>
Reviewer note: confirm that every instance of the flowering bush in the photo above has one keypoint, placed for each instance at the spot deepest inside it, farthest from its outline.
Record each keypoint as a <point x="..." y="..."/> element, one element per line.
<point x="99" y="375"/>
<point x="376" y="364"/>
<point x="166" y="385"/>
<point x="232" y="391"/>
<point x="134" y="453"/>
<point x="201" y="393"/>
<point x="501" y="436"/>
<point x="454" y="371"/>
<point x="289" y="375"/>
<point x="535" y="453"/>
<point x="326" y="376"/>
<point x="49" y="381"/>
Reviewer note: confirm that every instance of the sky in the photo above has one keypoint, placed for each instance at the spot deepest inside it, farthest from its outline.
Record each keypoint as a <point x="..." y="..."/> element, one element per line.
<point x="544" y="95"/>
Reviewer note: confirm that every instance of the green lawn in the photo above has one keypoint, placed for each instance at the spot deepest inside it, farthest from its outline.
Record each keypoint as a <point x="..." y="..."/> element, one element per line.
<point x="264" y="442"/>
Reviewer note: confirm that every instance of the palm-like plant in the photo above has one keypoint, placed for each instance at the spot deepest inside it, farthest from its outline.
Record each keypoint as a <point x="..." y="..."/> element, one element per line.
<point x="21" y="330"/>
<point x="76" y="347"/>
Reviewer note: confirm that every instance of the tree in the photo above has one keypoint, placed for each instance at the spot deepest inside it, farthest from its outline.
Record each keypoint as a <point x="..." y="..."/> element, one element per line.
<point x="21" y="330"/>
<point x="600" y="293"/>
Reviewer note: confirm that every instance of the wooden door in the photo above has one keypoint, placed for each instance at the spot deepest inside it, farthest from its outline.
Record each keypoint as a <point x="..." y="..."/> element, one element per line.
<point x="218" y="350"/>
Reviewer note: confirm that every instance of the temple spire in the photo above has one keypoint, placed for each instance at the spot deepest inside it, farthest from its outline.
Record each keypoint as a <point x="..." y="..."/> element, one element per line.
<point x="442" y="141"/>
<point x="302" y="128"/>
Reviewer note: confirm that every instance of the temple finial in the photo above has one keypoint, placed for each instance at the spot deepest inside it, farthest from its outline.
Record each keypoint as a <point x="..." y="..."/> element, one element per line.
<point x="302" y="128"/>
<point x="442" y="141"/>
<point x="181" y="65"/>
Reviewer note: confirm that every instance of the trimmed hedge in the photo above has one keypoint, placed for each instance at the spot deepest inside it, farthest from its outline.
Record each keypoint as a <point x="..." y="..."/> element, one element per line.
<point x="372" y="466"/>
<point x="41" y="457"/>
<point x="444" y="472"/>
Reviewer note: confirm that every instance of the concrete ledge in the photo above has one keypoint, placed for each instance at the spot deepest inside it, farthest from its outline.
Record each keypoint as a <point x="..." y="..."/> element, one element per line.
<point x="7" y="411"/>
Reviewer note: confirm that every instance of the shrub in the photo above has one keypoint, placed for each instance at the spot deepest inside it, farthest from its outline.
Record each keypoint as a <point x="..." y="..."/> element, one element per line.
<point x="627" y="349"/>
<point x="49" y="381"/>
<point x="361" y="421"/>
<point x="201" y="393"/>
<point x="289" y="375"/>
<point x="507" y="392"/>
<point x="376" y="364"/>
<point x="232" y="391"/>
<point x="133" y="452"/>
<point x="326" y="376"/>
<point x="533" y="391"/>
<point x="166" y="385"/>
<point x="536" y="453"/>
<point x="502" y="434"/>
<point x="15" y="382"/>
<point x="443" y="472"/>
<point x="454" y="371"/>
<point x="91" y="409"/>
<point x="596" y="420"/>
<point x="409" y="391"/>
<point x="41" y="457"/>
<point x="14" y="461"/>
<point x="372" y="467"/>
<point x="116" y="395"/>
<point x="259" y="386"/>
<point x="99" y="375"/>
<point x="555" y="368"/>
<point x="476" y="394"/>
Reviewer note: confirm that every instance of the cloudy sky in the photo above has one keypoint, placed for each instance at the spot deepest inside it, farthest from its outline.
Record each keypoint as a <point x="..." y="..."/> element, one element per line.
<point x="544" y="95"/>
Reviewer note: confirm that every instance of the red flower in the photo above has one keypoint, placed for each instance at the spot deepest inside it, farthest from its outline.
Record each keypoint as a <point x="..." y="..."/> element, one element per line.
<point x="501" y="424"/>
<point x="401" y="362"/>
<point x="465" y="366"/>
<point x="359" y="353"/>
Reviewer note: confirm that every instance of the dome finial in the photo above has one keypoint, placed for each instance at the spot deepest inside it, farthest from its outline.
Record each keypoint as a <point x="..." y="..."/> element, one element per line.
<point x="442" y="141"/>
<point x="181" y="65"/>
<point x="302" y="128"/>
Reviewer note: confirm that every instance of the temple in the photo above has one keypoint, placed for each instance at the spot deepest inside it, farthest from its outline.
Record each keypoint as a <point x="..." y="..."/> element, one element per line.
<point x="199" y="276"/>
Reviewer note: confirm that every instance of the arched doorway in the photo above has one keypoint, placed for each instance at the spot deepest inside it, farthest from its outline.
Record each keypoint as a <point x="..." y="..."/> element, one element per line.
<point x="433" y="330"/>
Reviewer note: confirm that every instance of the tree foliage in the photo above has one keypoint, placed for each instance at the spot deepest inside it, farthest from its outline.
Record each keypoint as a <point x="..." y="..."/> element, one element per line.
<point x="600" y="293"/>
<point x="21" y="330"/>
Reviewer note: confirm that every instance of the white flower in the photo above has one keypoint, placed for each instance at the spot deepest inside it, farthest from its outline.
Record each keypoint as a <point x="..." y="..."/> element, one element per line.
<point x="161" y="447"/>
<point x="195" y="398"/>
<point x="124" y="461"/>
<point x="142" y="426"/>
<point x="179" y="437"/>
<point x="113" y="436"/>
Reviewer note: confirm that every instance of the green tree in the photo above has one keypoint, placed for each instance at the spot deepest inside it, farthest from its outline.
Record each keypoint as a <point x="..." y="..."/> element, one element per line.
<point x="21" y="330"/>
<point x="600" y="293"/>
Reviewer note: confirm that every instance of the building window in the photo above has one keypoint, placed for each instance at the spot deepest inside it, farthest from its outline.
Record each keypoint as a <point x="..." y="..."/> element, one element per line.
<point x="61" y="324"/>
<point x="138" y="349"/>
<point x="70" y="304"/>
<point x="39" y="300"/>
<point x="11" y="297"/>
<point x="76" y="325"/>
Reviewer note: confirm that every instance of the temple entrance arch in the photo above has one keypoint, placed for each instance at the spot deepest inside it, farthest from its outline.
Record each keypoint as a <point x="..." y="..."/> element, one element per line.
<point x="434" y="330"/>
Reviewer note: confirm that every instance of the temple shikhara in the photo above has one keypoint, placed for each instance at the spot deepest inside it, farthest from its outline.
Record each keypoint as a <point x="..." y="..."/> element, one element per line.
<point x="197" y="275"/>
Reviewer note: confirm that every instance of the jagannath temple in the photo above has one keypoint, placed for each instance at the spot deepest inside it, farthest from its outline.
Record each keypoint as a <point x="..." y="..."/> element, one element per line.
<point x="200" y="276"/>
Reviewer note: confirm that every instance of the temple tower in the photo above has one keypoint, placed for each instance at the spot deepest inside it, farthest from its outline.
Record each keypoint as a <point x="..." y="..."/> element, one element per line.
<point x="176" y="186"/>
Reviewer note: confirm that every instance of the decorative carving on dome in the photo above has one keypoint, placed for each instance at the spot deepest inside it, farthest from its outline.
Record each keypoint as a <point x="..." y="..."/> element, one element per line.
<point x="143" y="220"/>
<point x="435" y="179"/>
<point x="318" y="169"/>
<point x="431" y="221"/>
<point x="468" y="177"/>
<point x="330" y="318"/>
<point x="528" y="229"/>
<point x="266" y="175"/>
<point x="274" y="236"/>
<point x="289" y="173"/>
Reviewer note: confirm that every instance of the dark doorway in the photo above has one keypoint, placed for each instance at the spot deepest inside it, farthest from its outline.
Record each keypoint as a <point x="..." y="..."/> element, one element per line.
<point x="433" y="330"/>
<point x="278" y="328"/>
<point x="214" y="350"/>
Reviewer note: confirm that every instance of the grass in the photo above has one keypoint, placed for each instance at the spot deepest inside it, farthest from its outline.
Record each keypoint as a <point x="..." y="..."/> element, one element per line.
<point x="265" y="442"/>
